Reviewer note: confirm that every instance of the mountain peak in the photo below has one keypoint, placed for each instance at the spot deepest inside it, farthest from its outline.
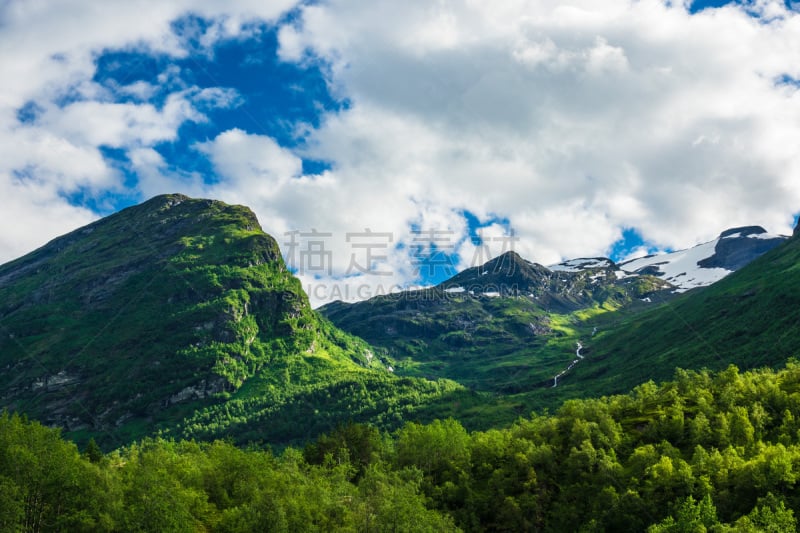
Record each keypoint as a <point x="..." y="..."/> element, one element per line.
<point x="177" y="206"/>
<point x="583" y="263"/>
<point x="708" y="262"/>
<point x="737" y="247"/>
<point x="499" y="275"/>
<point x="167" y="200"/>
<point x="505" y="262"/>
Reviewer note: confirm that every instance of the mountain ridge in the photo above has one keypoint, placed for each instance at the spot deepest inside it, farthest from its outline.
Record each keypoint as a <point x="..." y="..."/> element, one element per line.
<point x="698" y="266"/>
<point x="97" y="277"/>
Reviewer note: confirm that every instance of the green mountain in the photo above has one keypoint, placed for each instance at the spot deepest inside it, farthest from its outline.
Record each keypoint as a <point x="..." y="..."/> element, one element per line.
<point x="751" y="318"/>
<point x="179" y="315"/>
<point x="535" y="336"/>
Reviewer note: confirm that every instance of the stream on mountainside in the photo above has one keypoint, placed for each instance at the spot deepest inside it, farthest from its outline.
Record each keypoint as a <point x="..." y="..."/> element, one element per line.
<point x="578" y="359"/>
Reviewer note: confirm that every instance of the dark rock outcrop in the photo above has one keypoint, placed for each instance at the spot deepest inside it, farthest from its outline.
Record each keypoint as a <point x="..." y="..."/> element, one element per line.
<point x="739" y="246"/>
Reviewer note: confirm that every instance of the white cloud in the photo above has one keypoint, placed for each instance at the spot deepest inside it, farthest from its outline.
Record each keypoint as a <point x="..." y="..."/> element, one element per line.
<point x="636" y="253"/>
<point x="118" y="125"/>
<point x="252" y="163"/>
<point x="492" y="240"/>
<point x="571" y="120"/>
<point x="321" y="221"/>
<point x="34" y="216"/>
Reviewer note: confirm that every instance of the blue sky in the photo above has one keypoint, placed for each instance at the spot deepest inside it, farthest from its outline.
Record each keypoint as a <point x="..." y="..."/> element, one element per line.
<point x="564" y="128"/>
<point x="272" y="96"/>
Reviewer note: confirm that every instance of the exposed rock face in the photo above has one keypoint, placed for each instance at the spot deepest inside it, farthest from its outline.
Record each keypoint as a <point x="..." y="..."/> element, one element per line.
<point x="507" y="273"/>
<point x="739" y="246"/>
<point x="541" y="326"/>
<point x="561" y="288"/>
<point x="743" y="231"/>
<point x="202" y="390"/>
<point x="54" y="382"/>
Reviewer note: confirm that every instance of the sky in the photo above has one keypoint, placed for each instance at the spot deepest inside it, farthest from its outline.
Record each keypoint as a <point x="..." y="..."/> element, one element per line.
<point x="391" y="144"/>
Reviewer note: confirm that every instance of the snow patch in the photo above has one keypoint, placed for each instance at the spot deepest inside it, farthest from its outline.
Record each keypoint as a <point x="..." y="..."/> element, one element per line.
<point x="681" y="268"/>
<point x="765" y="236"/>
<point x="455" y="289"/>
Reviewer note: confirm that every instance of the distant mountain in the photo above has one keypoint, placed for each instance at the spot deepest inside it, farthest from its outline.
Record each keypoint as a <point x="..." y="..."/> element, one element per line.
<point x="699" y="266"/>
<point x="511" y="326"/>
<point x="504" y="327"/>
<point x="179" y="314"/>
<point x="564" y="289"/>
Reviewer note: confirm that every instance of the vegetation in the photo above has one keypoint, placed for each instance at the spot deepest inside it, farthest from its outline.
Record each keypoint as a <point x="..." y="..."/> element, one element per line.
<point x="750" y="318"/>
<point x="512" y="345"/>
<point x="504" y="328"/>
<point x="705" y="452"/>
<point x="179" y="315"/>
<point x="169" y="325"/>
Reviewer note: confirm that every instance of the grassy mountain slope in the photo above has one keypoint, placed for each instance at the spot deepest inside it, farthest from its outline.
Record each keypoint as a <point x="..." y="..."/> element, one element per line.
<point x="182" y="309"/>
<point x="505" y="328"/>
<point x="750" y="318"/>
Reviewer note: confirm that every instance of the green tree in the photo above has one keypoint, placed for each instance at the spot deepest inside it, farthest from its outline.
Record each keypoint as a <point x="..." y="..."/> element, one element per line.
<point x="358" y="444"/>
<point x="155" y="497"/>
<point x="93" y="452"/>
<point x="770" y="516"/>
<point x="440" y="449"/>
<point x="391" y="501"/>
<point x="690" y="516"/>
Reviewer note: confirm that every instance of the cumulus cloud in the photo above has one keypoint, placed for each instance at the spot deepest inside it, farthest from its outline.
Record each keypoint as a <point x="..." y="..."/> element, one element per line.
<point x="569" y="120"/>
<point x="253" y="163"/>
<point x="574" y="121"/>
<point x="340" y="236"/>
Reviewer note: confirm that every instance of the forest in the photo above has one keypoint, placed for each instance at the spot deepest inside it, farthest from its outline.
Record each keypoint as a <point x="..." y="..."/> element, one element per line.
<point x="703" y="452"/>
